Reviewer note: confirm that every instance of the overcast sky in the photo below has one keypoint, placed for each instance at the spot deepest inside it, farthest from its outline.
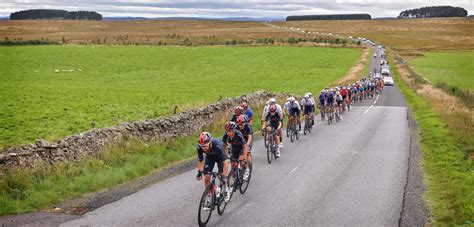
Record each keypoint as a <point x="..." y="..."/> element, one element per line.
<point x="229" y="8"/>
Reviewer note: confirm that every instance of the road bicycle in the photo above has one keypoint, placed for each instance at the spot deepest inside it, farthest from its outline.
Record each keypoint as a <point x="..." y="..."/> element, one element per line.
<point x="337" y="114"/>
<point x="308" y="123"/>
<point x="212" y="197"/>
<point x="321" y="111"/>
<point x="330" y="115"/>
<point x="294" y="133"/>
<point x="272" y="147"/>
<point x="236" y="176"/>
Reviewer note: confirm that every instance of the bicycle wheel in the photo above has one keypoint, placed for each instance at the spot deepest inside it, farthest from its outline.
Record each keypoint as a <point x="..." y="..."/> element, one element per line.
<point x="265" y="138"/>
<point x="310" y="125"/>
<point x="269" y="153"/>
<point x="205" y="215"/>
<point x="297" y="132"/>
<point x="245" y="184"/>
<point x="232" y="180"/>
<point x="222" y="204"/>
<point x="305" y="127"/>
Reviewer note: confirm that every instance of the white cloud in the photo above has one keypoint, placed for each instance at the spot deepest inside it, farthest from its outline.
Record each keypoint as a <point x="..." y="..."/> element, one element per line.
<point x="229" y="8"/>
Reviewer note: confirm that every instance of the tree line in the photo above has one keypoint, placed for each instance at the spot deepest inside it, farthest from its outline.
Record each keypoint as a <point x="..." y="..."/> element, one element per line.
<point x="35" y="14"/>
<point x="330" y="17"/>
<point x="434" y="11"/>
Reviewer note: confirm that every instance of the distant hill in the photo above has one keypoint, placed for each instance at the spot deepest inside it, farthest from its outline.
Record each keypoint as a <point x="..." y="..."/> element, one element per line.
<point x="330" y="17"/>
<point x="434" y="11"/>
<point x="35" y="14"/>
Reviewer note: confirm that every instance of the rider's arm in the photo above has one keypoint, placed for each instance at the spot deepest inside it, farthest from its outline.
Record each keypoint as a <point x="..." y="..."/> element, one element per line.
<point x="249" y="141"/>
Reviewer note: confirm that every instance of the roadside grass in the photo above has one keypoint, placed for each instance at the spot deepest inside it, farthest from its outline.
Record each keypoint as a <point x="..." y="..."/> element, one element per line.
<point x="99" y="86"/>
<point x="25" y="190"/>
<point x="450" y="71"/>
<point x="447" y="164"/>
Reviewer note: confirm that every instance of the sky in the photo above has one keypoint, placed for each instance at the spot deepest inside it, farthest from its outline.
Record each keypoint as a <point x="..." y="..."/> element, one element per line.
<point x="229" y="8"/>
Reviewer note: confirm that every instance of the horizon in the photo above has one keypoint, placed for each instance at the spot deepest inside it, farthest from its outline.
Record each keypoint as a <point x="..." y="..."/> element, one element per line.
<point x="230" y="9"/>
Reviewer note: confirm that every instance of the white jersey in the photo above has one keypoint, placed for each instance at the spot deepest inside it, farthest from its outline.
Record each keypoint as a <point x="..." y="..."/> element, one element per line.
<point x="294" y="105"/>
<point x="307" y="102"/>
<point x="266" y="110"/>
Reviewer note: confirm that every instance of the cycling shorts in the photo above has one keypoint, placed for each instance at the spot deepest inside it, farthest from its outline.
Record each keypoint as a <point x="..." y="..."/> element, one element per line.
<point x="344" y="97"/>
<point x="339" y="102"/>
<point x="294" y="112"/>
<point x="308" y="109"/>
<point x="235" y="153"/>
<point x="210" y="162"/>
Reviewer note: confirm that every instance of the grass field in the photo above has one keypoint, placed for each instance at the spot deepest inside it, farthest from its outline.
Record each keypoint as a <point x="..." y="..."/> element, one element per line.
<point x="408" y="37"/>
<point x="123" y="83"/>
<point x="446" y="140"/>
<point x="453" y="68"/>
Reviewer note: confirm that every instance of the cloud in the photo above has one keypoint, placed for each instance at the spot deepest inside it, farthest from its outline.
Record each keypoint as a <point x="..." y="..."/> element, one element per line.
<point x="229" y="8"/>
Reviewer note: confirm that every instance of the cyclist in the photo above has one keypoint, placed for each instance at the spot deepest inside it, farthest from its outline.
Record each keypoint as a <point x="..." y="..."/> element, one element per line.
<point x="294" y="110"/>
<point x="215" y="153"/>
<point x="329" y="100"/>
<point x="273" y="121"/>
<point x="279" y="111"/>
<point x="246" y="129"/>
<point x="322" y="99"/>
<point x="344" y="93"/>
<point x="248" y="112"/>
<point x="238" y="146"/>
<point x="237" y="112"/>
<point x="339" y="100"/>
<point x="311" y="98"/>
<point x="308" y="105"/>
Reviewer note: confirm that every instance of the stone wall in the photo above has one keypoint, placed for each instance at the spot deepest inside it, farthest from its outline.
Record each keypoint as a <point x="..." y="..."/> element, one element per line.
<point x="77" y="146"/>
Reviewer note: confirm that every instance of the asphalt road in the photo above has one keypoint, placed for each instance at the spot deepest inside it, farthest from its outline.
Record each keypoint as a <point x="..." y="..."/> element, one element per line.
<point x="350" y="173"/>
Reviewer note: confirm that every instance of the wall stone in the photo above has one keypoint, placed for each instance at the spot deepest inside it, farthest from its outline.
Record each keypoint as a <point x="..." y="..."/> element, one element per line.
<point x="75" y="147"/>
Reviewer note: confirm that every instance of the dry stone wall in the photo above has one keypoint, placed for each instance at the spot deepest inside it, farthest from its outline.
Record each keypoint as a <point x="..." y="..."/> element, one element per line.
<point x="77" y="146"/>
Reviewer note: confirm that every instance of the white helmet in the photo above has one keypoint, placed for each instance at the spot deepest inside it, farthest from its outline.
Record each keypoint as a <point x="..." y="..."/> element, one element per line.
<point x="323" y="91"/>
<point x="272" y="100"/>
<point x="292" y="99"/>
<point x="310" y="94"/>
<point x="306" y="96"/>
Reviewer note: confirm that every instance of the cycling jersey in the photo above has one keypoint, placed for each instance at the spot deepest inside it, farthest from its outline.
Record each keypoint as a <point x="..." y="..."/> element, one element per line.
<point x="249" y="114"/>
<point x="246" y="132"/>
<point x="294" y="108"/>
<point x="215" y="154"/>
<point x="236" y="143"/>
<point x="273" y="120"/>
<point x="234" y="118"/>
<point x="330" y="98"/>
<point x="322" y="99"/>
<point x="308" y="105"/>
<point x="266" y="110"/>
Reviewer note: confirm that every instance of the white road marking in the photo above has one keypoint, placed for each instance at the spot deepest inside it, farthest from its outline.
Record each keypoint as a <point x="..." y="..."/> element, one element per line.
<point x="371" y="106"/>
<point x="293" y="170"/>
<point x="366" y="111"/>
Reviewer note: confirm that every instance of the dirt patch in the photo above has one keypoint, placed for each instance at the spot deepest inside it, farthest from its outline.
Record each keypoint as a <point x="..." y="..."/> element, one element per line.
<point x="356" y="70"/>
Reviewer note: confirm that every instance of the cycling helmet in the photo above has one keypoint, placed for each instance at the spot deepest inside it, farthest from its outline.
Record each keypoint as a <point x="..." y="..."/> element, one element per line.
<point x="238" y="111"/>
<point x="245" y="105"/>
<point x="204" y="138"/>
<point x="344" y="88"/>
<point x="242" y="119"/>
<point x="337" y="92"/>
<point x="310" y="94"/>
<point x="288" y="99"/>
<point x="272" y="100"/>
<point x="306" y="96"/>
<point x="229" y="126"/>
<point x="292" y="99"/>
<point x="323" y="91"/>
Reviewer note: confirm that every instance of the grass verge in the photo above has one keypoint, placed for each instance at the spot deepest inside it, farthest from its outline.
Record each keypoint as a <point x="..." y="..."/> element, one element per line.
<point x="447" y="164"/>
<point x="30" y="190"/>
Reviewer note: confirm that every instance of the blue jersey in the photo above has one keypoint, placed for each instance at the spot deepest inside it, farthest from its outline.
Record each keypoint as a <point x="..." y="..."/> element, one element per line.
<point x="330" y="97"/>
<point x="249" y="113"/>
<point x="322" y="98"/>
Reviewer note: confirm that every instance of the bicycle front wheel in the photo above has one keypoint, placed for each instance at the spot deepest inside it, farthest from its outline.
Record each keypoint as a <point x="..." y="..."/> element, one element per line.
<point x="245" y="184"/>
<point x="223" y="204"/>
<point x="207" y="201"/>
<point x="269" y="154"/>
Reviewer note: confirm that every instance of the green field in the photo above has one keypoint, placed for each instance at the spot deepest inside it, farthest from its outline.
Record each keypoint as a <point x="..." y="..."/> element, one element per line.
<point x="452" y="68"/>
<point x="123" y="83"/>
